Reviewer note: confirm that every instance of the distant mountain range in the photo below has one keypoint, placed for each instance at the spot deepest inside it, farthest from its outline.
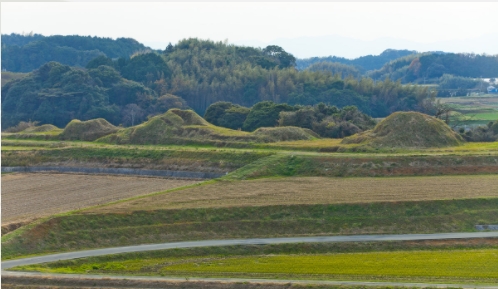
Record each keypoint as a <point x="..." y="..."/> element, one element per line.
<point x="306" y="47"/>
<point x="363" y="63"/>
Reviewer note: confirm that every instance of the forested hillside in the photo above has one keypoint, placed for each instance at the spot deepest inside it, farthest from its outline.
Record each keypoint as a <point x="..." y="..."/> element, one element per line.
<point x="56" y="94"/>
<point x="363" y="63"/>
<point x="193" y="73"/>
<point x="24" y="53"/>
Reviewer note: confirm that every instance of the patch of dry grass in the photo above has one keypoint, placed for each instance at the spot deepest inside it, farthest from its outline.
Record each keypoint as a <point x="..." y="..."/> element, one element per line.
<point x="315" y="190"/>
<point x="30" y="196"/>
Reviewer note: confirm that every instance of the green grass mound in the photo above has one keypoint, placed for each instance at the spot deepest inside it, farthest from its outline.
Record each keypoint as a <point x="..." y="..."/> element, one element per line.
<point x="186" y="127"/>
<point x="407" y="130"/>
<point x="286" y="133"/>
<point x="89" y="130"/>
<point x="42" y="128"/>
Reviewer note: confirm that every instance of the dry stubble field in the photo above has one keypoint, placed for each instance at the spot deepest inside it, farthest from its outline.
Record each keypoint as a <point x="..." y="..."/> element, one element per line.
<point x="30" y="196"/>
<point x="315" y="190"/>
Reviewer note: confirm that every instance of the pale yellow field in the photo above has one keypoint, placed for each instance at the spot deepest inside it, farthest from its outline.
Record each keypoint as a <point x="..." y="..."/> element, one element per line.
<point x="30" y="196"/>
<point x="315" y="190"/>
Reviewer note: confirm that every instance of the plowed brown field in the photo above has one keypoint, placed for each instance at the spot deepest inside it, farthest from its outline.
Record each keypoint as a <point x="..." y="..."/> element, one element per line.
<point x="30" y="196"/>
<point x="315" y="190"/>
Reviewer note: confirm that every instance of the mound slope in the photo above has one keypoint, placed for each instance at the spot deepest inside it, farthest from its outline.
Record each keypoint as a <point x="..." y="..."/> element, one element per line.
<point x="41" y="128"/>
<point x="178" y="126"/>
<point x="407" y="130"/>
<point x="89" y="130"/>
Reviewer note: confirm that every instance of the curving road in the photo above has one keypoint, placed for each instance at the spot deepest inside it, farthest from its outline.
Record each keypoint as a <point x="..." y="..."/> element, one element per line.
<point x="262" y="241"/>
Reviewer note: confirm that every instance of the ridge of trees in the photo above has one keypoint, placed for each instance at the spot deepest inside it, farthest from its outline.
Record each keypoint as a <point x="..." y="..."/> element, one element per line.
<point x="429" y="67"/>
<point x="363" y="63"/>
<point x="24" y="53"/>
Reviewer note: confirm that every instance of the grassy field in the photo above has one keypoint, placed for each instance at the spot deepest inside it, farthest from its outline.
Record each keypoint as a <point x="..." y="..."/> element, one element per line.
<point x="313" y="190"/>
<point x="165" y="158"/>
<point x="80" y="231"/>
<point x="473" y="110"/>
<point x="444" y="260"/>
<point x="30" y="196"/>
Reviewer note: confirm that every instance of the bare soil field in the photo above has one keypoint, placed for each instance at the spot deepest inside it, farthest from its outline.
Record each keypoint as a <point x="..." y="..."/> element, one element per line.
<point x="29" y="196"/>
<point x="314" y="190"/>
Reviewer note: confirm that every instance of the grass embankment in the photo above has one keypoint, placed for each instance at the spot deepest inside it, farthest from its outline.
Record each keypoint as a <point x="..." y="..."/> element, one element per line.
<point x="367" y="165"/>
<point x="443" y="260"/>
<point x="14" y="282"/>
<point x="212" y="160"/>
<point x="253" y="163"/>
<point x="80" y="231"/>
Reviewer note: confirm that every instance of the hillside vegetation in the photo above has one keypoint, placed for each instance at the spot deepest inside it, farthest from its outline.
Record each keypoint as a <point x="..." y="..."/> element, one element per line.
<point x="421" y="67"/>
<point x="24" y="53"/>
<point x="56" y="94"/>
<point x="193" y="73"/>
<point x="407" y="130"/>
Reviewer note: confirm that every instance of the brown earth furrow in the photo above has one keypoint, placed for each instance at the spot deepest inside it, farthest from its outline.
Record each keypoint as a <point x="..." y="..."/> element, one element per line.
<point x="30" y="196"/>
<point x="316" y="190"/>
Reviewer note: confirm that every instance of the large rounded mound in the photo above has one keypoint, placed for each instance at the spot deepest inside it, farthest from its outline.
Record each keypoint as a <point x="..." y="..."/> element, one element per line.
<point x="89" y="130"/>
<point x="408" y="130"/>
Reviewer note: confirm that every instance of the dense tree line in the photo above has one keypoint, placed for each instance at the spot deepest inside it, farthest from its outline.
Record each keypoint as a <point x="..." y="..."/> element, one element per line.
<point x="204" y="72"/>
<point x="336" y="68"/>
<point x="24" y="53"/>
<point x="325" y="120"/>
<point x="199" y="72"/>
<point x="363" y="63"/>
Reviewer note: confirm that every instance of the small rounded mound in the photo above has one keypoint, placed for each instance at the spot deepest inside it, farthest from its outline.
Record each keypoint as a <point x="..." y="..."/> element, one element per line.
<point x="285" y="133"/>
<point x="89" y="130"/>
<point x="41" y="128"/>
<point x="407" y="130"/>
<point x="189" y="117"/>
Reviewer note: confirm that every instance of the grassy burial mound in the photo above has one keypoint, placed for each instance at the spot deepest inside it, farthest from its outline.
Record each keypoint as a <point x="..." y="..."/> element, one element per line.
<point x="42" y="129"/>
<point x="89" y="130"/>
<point x="185" y="126"/>
<point x="407" y="130"/>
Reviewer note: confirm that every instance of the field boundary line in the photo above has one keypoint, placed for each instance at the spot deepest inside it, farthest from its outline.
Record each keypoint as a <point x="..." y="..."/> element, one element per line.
<point x="257" y="281"/>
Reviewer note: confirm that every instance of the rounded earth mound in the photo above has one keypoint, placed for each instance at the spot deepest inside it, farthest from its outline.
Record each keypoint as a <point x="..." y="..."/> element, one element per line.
<point x="407" y="130"/>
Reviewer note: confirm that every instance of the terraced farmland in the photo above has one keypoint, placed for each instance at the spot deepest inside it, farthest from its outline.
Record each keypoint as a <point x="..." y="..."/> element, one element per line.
<point x="30" y="196"/>
<point x="315" y="190"/>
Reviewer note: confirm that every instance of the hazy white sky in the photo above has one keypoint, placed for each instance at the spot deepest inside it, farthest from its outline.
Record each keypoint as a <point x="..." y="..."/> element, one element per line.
<point x="433" y="26"/>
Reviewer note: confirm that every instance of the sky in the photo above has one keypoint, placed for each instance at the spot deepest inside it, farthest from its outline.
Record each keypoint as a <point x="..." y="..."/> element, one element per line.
<point x="347" y="29"/>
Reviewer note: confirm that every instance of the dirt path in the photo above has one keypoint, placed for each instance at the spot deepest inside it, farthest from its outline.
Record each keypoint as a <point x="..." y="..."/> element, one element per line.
<point x="30" y="196"/>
